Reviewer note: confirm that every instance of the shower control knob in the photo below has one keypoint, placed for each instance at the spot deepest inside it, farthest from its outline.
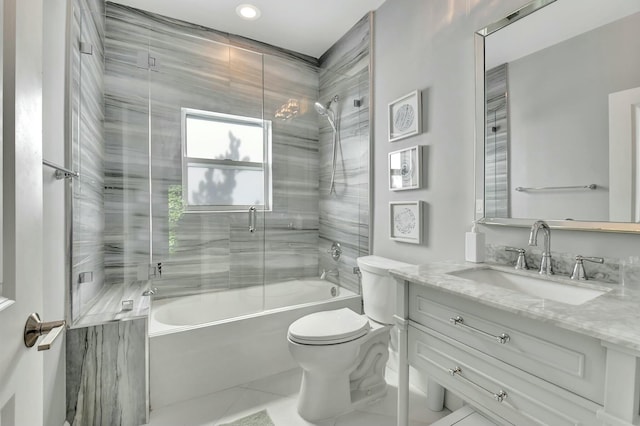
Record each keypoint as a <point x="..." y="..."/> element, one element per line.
<point x="335" y="251"/>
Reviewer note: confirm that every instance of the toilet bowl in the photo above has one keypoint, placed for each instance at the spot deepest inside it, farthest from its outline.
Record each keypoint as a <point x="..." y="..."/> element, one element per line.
<point x="343" y="354"/>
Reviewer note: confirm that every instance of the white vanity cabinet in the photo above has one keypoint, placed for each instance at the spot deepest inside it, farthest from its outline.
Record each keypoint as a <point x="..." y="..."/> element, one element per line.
<point x="538" y="375"/>
<point x="515" y="367"/>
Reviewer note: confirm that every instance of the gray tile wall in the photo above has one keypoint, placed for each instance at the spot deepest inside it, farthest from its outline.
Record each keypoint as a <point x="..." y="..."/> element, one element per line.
<point x="198" y="68"/>
<point x="496" y="179"/>
<point x="344" y="214"/>
<point x="127" y="190"/>
<point x="87" y="81"/>
<point x="113" y="230"/>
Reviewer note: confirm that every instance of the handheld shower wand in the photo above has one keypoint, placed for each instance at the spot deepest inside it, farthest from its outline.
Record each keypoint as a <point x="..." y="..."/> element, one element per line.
<point x="325" y="111"/>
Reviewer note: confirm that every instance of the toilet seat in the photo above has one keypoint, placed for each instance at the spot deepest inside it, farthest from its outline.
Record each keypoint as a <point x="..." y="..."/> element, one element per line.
<point x="329" y="327"/>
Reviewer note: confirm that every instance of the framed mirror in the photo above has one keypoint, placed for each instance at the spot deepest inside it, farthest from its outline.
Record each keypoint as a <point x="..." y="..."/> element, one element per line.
<point x="558" y="116"/>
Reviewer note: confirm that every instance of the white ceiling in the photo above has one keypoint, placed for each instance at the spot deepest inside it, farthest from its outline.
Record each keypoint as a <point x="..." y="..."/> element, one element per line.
<point x="304" y="26"/>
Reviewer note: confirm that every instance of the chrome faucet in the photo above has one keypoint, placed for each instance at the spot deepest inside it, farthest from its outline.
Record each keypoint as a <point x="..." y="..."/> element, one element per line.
<point x="329" y="273"/>
<point x="545" y="262"/>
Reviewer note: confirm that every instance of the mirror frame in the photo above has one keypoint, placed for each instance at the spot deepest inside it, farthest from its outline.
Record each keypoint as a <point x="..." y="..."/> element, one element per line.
<point x="480" y="117"/>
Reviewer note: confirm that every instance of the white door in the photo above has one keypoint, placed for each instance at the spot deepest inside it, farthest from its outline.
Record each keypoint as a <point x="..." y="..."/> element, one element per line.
<point x="21" y="369"/>
<point x="624" y="156"/>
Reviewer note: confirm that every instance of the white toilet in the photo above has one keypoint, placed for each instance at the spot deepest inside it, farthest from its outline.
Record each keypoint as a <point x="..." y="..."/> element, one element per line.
<point x="343" y="354"/>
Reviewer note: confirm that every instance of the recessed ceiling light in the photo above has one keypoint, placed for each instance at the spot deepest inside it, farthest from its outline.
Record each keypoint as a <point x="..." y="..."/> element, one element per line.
<point x="248" y="11"/>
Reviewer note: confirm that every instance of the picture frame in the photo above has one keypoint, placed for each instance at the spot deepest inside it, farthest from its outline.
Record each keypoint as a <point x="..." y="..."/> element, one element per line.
<point x="405" y="169"/>
<point x="405" y="116"/>
<point x="405" y="221"/>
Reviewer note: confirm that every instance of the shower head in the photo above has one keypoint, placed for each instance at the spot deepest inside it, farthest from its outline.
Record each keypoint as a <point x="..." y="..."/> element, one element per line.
<point x="322" y="110"/>
<point x="325" y="110"/>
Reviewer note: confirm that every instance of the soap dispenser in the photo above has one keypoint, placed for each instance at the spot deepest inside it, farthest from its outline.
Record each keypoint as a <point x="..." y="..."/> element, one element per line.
<point x="474" y="245"/>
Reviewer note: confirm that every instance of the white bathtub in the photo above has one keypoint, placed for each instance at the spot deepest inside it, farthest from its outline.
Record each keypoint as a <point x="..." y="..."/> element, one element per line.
<point x="205" y="343"/>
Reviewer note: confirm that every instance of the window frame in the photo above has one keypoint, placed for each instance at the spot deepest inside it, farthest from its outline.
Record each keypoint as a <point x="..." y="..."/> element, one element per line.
<point x="264" y="166"/>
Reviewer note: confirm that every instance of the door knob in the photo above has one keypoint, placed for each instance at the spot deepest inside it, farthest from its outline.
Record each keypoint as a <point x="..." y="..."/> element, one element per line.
<point x="35" y="328"/>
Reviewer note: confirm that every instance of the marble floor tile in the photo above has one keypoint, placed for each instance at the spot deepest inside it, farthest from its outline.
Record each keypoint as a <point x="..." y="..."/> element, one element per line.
<point x="418" y="410"/>
<point x="282" y="410"/>
<point x="278" y="395"/>
<point x="465" y="416"/>
<point x="202" y="411"/>
<point x="284" y="384"/>
<point x="363" y="418"/>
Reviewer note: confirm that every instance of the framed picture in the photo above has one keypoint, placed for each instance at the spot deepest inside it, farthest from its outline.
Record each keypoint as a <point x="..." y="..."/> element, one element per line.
<point x="406" y="221"/>
<point x="404" y="168"/>
<point x="405" y="116"/>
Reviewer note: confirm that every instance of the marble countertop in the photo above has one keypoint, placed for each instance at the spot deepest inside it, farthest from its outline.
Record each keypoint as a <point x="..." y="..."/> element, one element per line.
<point x="613" y="317"/>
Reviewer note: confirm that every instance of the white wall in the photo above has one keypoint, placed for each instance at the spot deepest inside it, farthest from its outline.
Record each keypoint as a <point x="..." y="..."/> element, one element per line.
<point x="53" y="193"/>
<point x="428" y="45"/>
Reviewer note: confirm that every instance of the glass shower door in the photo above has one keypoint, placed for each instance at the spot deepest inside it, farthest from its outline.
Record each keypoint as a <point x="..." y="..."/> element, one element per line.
<point x="110" y="149"/>
<point x="292" y="224"/>
<point x="210" y="162"/>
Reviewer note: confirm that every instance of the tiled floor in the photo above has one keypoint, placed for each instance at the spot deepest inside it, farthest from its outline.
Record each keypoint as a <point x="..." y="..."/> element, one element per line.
<point x="277" y="394"/>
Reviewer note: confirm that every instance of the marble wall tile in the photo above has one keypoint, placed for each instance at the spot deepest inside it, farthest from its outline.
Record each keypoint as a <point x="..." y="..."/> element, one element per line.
<point x="127" y="186"/>
<point x="87" y="88"/>
<point x="107" y="374"/>
<point x="344" y="218"/>
<point x="496" y="173"/>
<point x="203" y="251"/>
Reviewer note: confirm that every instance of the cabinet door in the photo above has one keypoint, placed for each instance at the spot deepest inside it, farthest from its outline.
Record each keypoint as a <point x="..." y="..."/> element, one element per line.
<point x="499" y="389"/>
<point x="564" y="358"/>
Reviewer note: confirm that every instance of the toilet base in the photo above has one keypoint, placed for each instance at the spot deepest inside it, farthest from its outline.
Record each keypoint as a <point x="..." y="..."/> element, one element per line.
<point x="324" y="395"/>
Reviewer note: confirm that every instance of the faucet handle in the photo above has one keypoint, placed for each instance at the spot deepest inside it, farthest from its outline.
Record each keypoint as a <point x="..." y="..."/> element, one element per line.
<point x="590" y="259"/>
<point x="516" y="249"/>
<point x="578" y="269"/>
<point x="335" y="251"/>
<point x="521" y="263"/>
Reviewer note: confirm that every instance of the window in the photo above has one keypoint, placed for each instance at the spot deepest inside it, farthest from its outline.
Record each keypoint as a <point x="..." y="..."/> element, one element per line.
<point x="226" y="161"/>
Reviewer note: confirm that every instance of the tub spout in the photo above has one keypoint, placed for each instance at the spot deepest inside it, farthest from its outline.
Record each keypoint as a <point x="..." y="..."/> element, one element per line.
<point x="329" y="273"/>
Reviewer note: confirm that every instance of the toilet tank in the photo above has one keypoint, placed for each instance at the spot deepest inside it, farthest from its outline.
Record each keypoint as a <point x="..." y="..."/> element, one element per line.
<point x="378" y="287"/>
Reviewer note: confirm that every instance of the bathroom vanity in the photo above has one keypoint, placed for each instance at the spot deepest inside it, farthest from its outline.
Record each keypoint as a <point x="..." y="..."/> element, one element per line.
<point x="518" y="354"/>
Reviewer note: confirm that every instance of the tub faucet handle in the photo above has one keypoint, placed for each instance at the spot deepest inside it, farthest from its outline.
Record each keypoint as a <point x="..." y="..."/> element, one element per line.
<point x="335" y="251"/>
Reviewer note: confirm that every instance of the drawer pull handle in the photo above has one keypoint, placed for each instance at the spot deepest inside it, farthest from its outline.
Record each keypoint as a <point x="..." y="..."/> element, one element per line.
<point x="503" y="338"/>
<point x="500" y="396"/>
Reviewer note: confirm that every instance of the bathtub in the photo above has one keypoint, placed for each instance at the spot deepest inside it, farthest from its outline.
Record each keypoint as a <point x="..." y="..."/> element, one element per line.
<point x="205" y="343"/>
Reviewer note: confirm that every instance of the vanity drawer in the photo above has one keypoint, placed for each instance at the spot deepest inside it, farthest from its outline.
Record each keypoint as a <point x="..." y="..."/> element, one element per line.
<point x="481" y="379"/>
<point x="567" y="359"/>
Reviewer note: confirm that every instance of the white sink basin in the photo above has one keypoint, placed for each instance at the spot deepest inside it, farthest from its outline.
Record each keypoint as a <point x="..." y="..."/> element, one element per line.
<point x="568" y="293"/>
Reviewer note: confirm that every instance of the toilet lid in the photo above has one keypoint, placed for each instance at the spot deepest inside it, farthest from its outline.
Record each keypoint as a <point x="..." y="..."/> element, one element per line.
<point x="329" y="327"/>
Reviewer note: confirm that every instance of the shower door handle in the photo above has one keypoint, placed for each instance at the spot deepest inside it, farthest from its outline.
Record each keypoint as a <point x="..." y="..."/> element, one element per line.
<point x="252" y="219"/>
